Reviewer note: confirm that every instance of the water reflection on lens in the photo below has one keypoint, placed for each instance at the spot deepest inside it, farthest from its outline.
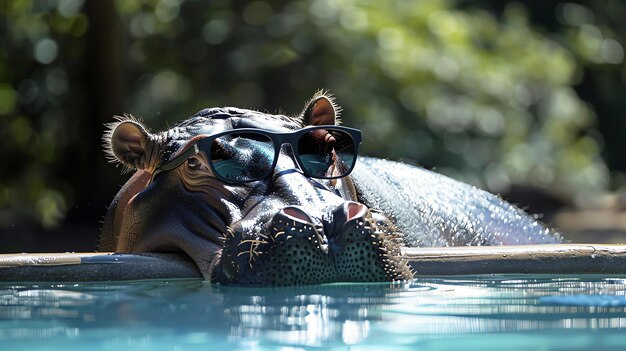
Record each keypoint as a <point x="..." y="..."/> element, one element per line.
<point x="240" y="157"/>
<point x="326" y="153"/>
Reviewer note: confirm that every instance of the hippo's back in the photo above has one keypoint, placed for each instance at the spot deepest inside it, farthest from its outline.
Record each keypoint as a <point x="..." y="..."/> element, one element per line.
<point x="434" y="210"/>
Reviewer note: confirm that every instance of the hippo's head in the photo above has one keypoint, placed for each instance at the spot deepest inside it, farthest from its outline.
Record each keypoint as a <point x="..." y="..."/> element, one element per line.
<point x="282" y="229"/>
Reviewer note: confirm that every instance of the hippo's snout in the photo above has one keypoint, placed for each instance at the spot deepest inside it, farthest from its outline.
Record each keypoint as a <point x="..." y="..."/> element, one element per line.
<point x="353" y="246"/>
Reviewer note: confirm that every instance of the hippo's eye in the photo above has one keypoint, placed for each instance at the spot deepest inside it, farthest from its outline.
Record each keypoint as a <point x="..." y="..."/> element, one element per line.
<point x="193" y="163"/>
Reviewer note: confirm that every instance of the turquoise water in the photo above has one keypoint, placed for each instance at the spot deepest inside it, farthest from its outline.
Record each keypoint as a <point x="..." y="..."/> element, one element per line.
<point x="512" y="312"/>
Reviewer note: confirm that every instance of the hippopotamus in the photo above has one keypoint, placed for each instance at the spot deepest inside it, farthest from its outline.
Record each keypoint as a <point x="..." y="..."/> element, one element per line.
<point x="262" y="199"/>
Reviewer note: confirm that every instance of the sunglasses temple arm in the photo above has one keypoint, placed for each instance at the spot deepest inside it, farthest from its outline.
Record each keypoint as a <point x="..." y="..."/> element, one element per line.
<point x="176" y="161"/>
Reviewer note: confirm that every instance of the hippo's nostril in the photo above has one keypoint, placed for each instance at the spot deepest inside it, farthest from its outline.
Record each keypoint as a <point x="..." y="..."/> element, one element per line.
<point x="354" y="210"/>
<point x="296" y="213"/>
<point x="344" y="214"/>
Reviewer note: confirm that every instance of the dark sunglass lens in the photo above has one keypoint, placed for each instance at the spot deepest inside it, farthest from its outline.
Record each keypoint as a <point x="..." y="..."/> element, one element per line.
<point x="242" y="157"/>
<point x="326" y="153"/>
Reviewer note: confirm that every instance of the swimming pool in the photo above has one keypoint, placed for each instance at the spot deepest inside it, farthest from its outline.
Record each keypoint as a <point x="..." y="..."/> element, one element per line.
<point x="486" y="312"/>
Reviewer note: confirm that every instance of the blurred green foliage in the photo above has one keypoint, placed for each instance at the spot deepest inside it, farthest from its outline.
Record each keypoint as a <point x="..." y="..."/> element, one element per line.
<point x="475" y="89"/>
<point x="40" y="44"/>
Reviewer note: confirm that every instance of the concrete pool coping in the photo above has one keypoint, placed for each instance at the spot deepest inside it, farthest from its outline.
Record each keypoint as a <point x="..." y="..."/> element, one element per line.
<point x="531" y="259"/>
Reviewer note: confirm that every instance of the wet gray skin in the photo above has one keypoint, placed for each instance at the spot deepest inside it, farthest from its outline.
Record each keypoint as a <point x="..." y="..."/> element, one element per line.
<point x="289" y="229"/>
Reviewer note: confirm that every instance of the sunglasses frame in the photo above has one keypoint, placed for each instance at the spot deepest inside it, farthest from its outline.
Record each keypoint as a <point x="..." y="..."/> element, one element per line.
<point x="277" y="138"/>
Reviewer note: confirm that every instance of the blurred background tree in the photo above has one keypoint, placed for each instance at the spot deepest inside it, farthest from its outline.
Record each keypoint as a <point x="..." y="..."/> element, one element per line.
<point x="497" y="94"/>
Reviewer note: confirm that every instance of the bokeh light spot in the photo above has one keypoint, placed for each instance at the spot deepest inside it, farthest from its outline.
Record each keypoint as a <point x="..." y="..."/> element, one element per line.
<point x="57" y="82"/>
<point x="46" y="50"/>
<point x="69" y="8"/>
<point x="354" y="19"/>
<point x="51" y="207"/>
<point x="216" y="31"/>
<point x="574" y="14"/>
<point x="611" y="51"/>
<point x="390" y="38"/>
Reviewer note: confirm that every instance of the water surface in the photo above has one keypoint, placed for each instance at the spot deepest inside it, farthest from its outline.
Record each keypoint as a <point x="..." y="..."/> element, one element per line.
<point x="495" y="312"/>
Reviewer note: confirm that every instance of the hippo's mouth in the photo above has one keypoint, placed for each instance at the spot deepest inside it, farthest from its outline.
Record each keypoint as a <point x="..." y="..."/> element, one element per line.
<point x="357" y="245"/>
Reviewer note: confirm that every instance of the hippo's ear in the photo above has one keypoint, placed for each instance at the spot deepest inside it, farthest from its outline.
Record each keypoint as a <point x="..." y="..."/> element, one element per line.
<point x="321" y="110"/>
<point x="128" y="142"/>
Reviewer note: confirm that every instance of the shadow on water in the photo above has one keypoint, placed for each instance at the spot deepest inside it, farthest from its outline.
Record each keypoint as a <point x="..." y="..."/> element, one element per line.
<point x="432" y="313"/>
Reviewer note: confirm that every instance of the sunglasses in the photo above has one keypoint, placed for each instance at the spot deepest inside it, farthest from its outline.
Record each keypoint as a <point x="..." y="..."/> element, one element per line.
<point x="248" y="154"/>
